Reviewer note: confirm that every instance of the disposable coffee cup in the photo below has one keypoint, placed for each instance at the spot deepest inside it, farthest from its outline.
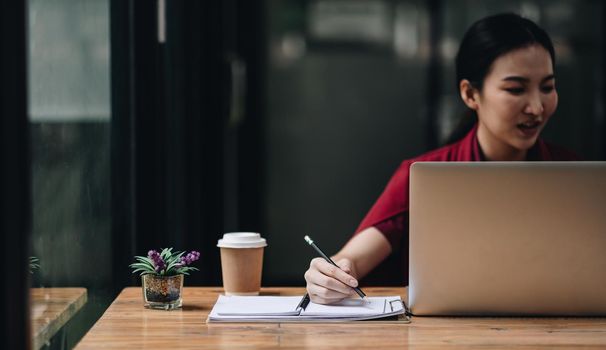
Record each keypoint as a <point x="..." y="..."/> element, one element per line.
<point x="242" y="262"/>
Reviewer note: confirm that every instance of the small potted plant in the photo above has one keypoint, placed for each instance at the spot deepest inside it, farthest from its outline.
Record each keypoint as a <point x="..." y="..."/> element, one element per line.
<point x="162" y="276"/>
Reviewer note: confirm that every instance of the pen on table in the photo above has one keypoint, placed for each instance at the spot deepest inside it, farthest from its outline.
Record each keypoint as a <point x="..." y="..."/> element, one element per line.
<point x="311" y="243"/>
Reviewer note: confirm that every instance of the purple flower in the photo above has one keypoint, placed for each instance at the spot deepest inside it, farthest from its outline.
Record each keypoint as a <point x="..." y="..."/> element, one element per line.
<point x="189" y="258"/>
<point x="159" y="263"/>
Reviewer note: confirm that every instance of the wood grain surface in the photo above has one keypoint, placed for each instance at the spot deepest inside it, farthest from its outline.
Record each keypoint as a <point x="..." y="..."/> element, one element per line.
<point x="127" y="325"/>
<point x="51" y="308"/>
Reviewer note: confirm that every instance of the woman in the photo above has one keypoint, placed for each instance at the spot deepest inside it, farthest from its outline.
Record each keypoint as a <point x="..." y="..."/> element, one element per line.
<point x="505" y="75"/>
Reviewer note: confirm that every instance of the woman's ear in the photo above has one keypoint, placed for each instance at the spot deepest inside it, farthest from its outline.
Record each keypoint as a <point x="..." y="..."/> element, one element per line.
<point x="468" y="94"/>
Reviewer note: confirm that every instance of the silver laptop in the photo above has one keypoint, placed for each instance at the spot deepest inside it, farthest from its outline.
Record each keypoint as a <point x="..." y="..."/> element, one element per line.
<point x="508" y="238"/>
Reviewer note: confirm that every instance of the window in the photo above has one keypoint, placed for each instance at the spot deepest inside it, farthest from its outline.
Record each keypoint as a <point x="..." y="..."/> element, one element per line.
<point x="69" y="113"/>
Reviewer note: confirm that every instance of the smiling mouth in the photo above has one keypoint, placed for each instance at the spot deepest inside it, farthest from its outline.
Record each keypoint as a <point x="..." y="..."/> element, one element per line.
<point x="533" y="124"/>
<point x="530" y="127"/>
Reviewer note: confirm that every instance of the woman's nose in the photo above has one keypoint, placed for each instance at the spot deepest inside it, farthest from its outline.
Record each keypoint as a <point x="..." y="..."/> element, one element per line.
<point x="534" y="106"/>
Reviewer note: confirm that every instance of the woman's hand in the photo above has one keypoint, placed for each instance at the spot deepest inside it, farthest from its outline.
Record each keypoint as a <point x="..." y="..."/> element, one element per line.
<point x="327" y="284"/>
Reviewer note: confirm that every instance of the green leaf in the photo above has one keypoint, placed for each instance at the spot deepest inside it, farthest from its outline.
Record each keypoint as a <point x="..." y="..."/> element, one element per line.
<point x="166" y="253"/>
<point x="144" y="259"/>
<point x="177" y="256"/>
<point x="174" y="260"/>
<point x="142" y="266"/>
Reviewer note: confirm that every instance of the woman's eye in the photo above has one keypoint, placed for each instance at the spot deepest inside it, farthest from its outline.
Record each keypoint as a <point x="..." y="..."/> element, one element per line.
<point x="515" y="91"/>
<point x="547" y="89"/>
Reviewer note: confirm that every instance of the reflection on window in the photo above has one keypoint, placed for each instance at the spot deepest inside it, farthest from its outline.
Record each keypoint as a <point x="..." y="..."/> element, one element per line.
<point x="69" y="111"/>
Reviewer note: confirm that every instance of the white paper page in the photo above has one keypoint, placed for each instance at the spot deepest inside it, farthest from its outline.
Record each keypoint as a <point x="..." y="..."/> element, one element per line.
<point x="256" y="305"/>
<point x="349" y="307"/>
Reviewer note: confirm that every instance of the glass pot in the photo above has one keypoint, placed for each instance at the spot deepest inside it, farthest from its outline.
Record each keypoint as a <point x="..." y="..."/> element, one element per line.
<point x="162" y="292"/>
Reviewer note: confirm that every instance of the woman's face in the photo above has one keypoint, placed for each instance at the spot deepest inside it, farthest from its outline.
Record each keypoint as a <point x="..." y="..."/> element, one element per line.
<point x="517" y="99"/>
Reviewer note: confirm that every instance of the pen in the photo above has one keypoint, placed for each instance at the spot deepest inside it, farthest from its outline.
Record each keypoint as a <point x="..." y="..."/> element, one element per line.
<point x="304" y="302"/>
<point x="311" y="243"/>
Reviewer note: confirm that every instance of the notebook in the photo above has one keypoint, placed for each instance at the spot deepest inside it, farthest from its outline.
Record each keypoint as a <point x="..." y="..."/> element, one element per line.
<point x="508" y="238"/>
<point x="296" y="309"/>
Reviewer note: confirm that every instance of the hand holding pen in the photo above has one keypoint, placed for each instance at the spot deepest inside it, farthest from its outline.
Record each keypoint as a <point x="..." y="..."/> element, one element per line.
<point x="329" y="282"/>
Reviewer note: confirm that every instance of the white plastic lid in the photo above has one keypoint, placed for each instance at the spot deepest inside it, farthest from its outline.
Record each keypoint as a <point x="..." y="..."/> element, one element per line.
<point x="242" y="240"/>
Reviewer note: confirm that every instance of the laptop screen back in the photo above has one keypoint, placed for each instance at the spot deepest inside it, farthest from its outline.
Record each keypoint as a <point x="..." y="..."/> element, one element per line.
<point x="508" y="238"/>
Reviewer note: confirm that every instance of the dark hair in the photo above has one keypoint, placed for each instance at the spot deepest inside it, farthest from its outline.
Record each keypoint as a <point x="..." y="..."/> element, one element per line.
<point x="484" y="42"/>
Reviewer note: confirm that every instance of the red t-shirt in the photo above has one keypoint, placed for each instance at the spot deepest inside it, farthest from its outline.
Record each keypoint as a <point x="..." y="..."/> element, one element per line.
<point x="389" y="214"/>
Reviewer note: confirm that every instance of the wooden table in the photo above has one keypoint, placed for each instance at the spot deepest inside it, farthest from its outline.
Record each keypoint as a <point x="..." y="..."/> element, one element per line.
<point x="127" y="325"/>
<point x="51" y="308"/>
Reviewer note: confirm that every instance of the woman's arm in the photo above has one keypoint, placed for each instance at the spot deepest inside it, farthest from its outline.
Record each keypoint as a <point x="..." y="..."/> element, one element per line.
<point x="365" y="250"/>
<point x="327" y="284"/>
